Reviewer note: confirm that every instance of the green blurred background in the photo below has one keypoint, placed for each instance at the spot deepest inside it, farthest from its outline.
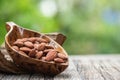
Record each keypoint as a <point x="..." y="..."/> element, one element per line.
<point x="91" y="26"/>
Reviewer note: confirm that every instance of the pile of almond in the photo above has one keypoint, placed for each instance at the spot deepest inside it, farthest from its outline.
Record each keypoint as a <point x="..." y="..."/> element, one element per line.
<point x="39" y="48"/>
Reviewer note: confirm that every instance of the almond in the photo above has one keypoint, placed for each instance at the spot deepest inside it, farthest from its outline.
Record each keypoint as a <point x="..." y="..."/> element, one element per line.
<point x="28" y="44"/>
<point x="24" y="39"/>
<point x="32" y="53"/>
<point x="42" y="40"/>
<point x="39" y="54"/>
<point x="36" y="46"/>
<point x="51" y="55"/>
<point x="47" y="50"/>
<point x="41" y="46"/>
<point x="32" y="39"/>
<point x="49" y="47"/>
<point x="15" y="47"/>
<point x="23" y="53"/>
<point x="58" y="60"/>
<point x="25" y="49"/>
<point x="62" y="56"/>
<point x="18" y="43"/>
<point x="43" y="58"/>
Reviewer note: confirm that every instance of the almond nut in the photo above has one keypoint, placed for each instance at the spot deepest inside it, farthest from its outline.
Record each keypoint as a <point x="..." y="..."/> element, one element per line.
<point x="15" y="47"/>
<point x="39" y="54"/>
<point x="41" y="46"/>
<point x="42" y="40"/>
<point x="28" y="44"/>
<point x="25" y="49"/>
<point x="32" y="39"/>
<point x="62" y="56"/>
<point x="47" y="50"/>
<point x="32" y="53"/>
<point x="49" y="47"/>
<point x="23" y="53"/>
<point x="58" y="60"/>
<point x="51" y="55"/>
<point x="18" y="43"/>
<point x="24" y="39"/>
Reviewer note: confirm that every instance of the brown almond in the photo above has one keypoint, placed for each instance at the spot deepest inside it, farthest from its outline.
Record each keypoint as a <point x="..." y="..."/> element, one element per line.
<point x="59" y="60"/>
<point x="25" y="49"/>
<point x="23" y="39"/>
<point x="47" y="50"/>
<point x="15" y="47"/>
<point x="23" y="53"/>
<point x="51" y="55"/>
<point x="18" y="43"/>
<point x="41" y="40"/>
<point x="32" y="53"/>
<point x="36" y="46"/>
<point x="39" y="54"/>
<point x="62" y="56"/>
<point x="32" y="39"/>
<point x="48" y="40"/>
<point x="36" y="42"/>
<point x="43" y="58"/>
<point x="41" y="46"/>
<point x="49" y="47"/>
<point x="28" y="44"/>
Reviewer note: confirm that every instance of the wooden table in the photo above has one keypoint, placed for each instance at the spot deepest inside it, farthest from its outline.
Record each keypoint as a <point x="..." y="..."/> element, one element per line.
<point x="81" y="67"/>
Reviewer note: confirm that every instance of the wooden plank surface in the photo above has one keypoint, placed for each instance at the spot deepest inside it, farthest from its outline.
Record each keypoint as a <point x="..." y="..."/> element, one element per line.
<point x="81" y="67"/>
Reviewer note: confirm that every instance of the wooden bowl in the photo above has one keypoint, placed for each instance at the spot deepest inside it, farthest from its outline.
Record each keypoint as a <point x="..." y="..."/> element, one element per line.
<point x="29" y="64"/>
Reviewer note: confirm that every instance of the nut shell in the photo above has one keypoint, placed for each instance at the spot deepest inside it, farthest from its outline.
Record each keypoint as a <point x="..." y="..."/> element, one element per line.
<point x="29" y="64"/>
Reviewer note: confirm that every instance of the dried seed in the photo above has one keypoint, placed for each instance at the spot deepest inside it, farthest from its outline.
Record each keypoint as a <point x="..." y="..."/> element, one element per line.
<point x="51" y="55"/>
<point x="62" y="56"/>
<point x="41" y="40"/>
<point x="49" y="47"/>
<point x="18" y="43"/>
<point x="32" y="53"/>
<point x="15" y="47"/>
<point x="23" y="53"/>
<point x="32" y="39"/>
<point x="36" y="46"/>
<point x="28" y="44"/>
<point x="43" y="58"/>
<point x="59" y="60"/>
<point x="41" y="46"/>
<point x="25" y="49"/>
<point x="24" y="39"/>
<point x="39" y="55"/>
<point x="47" y="50"/>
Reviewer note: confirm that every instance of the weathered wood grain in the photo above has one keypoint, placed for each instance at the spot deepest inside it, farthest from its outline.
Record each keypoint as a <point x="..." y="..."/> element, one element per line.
<point x="69" y="74"/>
<point x="82" y="67"/>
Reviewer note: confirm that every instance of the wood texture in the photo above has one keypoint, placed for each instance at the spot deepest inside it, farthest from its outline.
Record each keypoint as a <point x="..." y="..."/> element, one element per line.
<point x="88" y="67"/>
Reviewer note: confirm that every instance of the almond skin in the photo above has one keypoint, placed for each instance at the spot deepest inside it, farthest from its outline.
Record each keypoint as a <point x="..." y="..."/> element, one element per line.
<point x="32" y="53"/>
<point x="25" y="49"/>
<point x="41" y="40"/>
<point x="23" y="53"/>
<point x="18" y="43"/>
<point x="24" y="39"/>
<point x="39" y="54"/>
<point x="28" y="44"/>
<point x="36" y="46"/>
<point x="32" y="39"/>
<point x="41" y="46"/>
<point x="59" y="60"/>
<point x="51" y="55"/>
<point x="62" y="56"/>
<point x="49" y="47"/>
<point x="47" y="50"/>
<point x="15" y="47"/>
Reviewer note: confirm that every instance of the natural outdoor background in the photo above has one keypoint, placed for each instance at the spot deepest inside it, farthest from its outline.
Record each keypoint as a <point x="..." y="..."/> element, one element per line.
<point x="91" y="26"/>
